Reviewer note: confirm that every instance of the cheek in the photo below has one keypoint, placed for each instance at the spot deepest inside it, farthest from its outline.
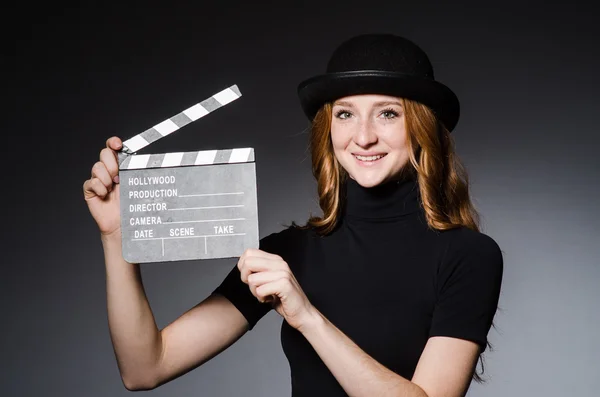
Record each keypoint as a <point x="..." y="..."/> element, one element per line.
<point x="339" y="138"/>
<point x="396" y="138"/>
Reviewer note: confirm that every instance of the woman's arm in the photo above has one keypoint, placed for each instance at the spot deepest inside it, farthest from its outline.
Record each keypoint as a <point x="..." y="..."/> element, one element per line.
<point x="444" y="369"/>
<point x="148" y="357"/>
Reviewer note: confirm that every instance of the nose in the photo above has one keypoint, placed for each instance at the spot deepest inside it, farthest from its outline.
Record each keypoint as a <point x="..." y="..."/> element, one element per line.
<point x="365" y="135"/>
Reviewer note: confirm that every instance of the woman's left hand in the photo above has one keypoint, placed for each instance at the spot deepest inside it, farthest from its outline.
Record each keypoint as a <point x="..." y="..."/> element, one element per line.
<point x="271" y="280"/>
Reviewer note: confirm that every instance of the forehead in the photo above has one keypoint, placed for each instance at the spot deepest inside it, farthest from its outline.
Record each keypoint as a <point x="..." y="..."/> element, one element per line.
<point x="367" y="100"/>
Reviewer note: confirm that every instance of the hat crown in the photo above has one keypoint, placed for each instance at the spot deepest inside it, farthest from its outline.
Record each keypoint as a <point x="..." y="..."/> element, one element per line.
<point x="383" y="52"/>
<point x="383" y="64"/>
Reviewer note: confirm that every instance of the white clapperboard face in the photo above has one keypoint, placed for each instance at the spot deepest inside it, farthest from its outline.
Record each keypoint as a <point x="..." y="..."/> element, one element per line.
<point x="187" y="205"/>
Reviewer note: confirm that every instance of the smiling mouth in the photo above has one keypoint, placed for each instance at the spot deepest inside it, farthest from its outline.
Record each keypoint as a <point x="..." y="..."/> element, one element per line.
<point x="369" y="158"/>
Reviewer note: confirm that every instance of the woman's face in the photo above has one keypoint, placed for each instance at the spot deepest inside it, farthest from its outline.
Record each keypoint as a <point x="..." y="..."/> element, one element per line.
<point x="368" y="133"/>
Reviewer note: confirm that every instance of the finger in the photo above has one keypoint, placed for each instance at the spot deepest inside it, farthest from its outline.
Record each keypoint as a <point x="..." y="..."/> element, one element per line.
<point x="87" y="189"/>
<point x="93" y="187"/>
<point x="260" y="278"/>
<point x="114" y="143"/>
<point x="255" y="252"/>
<point x="99" y="171"/>
<point x="274" y="288"/>
<point x="248" y="265"/>
<point x="109" y="158"/>
<point x="255" y="280"/>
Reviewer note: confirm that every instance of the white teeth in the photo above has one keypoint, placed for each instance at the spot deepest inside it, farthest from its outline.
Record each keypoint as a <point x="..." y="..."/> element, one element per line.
<point x="368" y="158"/>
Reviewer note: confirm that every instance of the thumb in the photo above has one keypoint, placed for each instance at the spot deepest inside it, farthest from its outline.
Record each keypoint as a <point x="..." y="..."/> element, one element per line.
<point x="114" y="143"/>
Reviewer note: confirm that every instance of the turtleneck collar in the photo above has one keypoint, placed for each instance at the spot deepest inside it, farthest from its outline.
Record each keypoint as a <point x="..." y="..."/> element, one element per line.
<point x="386" y="201"/>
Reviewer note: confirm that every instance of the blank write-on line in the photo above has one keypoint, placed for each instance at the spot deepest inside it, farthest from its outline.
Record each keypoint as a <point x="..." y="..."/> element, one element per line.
<point x="211" y="194"/>
<point x="205" y="208"/>
<point x="207" y="220"/>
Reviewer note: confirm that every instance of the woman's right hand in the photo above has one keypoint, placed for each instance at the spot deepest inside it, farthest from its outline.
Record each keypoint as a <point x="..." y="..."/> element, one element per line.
<point x="101" y="191"/>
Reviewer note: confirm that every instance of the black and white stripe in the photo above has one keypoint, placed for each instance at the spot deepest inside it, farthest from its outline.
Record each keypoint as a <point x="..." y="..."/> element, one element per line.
<point x="174" y="123"/>
<point x="179" y="159"/>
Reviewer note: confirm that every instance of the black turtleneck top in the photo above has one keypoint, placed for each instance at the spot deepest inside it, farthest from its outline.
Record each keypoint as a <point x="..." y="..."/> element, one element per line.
<point x="385" y="279"/>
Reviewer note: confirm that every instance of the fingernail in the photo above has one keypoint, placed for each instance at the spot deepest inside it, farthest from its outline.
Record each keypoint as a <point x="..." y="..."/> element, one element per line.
<point x="116" y="179"/>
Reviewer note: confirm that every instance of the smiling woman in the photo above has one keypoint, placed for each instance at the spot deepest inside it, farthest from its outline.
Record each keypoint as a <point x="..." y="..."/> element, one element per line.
<point x="368" y="135"/>
<point x="391" y="292"/>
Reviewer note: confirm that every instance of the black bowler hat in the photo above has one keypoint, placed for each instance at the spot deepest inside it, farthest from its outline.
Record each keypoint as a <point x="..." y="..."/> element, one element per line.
<point x="380" y="64"/>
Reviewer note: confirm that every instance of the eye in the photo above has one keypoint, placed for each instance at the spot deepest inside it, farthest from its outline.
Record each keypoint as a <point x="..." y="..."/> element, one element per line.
<point x="389" y="113"/>
<point x="342" y="114"/>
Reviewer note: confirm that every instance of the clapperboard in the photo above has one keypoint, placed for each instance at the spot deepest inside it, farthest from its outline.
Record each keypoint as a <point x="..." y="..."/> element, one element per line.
<point x="187" y="205"/>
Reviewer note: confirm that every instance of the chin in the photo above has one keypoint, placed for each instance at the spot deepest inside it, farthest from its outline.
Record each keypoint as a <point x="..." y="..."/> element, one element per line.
<point x="368" y="180"/>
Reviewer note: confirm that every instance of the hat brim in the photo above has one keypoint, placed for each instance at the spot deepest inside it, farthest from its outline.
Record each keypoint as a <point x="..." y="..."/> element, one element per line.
<point x="318" y="90"/>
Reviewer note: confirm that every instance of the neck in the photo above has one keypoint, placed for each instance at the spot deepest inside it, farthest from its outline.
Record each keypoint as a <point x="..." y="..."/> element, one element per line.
<point x="388" y="200"/>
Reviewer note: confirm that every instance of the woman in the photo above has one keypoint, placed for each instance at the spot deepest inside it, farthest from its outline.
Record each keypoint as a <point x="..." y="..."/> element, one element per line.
<point x="391" y="292"/>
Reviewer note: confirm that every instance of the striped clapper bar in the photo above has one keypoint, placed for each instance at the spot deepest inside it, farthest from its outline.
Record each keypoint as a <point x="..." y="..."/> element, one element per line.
<point x="187" y="205"/>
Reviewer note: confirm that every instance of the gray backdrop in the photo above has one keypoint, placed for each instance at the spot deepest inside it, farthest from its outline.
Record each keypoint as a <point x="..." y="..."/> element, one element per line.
<point x="526" y="74"/>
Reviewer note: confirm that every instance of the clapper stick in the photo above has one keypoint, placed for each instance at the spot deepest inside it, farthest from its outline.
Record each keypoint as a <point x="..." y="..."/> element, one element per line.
<point x="180" y="120"/>
<point x="187" y="205"/>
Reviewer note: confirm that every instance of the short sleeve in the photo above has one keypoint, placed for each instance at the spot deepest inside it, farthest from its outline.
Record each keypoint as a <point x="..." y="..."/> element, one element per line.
<point x="468" y="288"/>
<point x="238" y="292"/>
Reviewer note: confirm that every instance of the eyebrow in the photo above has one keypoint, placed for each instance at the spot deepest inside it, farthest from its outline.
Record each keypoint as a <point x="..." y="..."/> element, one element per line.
<point x="376" y="104"/>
